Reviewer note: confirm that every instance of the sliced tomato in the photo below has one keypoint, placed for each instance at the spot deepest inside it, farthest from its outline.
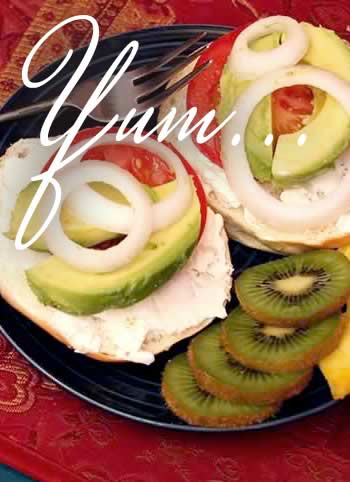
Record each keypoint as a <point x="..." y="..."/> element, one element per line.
<point x="204" y="93"/>
<point x="147" y="167"/>
<point x="107" y="244"/>
<point x="289" y="105"/>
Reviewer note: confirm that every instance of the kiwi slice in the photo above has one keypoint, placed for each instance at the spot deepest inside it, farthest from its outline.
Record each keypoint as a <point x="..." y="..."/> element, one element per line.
<point x="222" y="376"/>
<point x="296" y="291"/>
<point x="196" y="407"/>
<point x="272" y="349"/>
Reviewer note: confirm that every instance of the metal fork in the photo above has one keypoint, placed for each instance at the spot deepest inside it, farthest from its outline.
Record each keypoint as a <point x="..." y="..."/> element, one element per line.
<point x="138" y="89"/>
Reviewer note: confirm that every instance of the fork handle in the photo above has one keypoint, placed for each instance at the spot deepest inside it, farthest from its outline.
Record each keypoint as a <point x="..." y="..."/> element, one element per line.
<point x="16" y="114"/>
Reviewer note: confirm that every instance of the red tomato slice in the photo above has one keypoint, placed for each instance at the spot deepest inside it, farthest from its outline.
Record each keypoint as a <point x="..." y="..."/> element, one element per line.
<point x="147" y="167"/>
<point x="203" y="91"/>
<point x="289" y="105"/>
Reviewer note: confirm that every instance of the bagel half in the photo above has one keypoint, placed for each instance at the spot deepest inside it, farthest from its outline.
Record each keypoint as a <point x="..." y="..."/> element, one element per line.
<point x="91" y="335"/>
<point x="240" y="226"/>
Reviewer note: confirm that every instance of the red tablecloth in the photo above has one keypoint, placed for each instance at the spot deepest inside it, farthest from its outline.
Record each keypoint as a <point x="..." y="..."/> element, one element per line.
<point x="53" y="436"/>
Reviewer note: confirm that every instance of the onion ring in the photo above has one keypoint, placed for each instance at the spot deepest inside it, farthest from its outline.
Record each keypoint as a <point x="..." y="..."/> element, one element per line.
<point x="85" y="204"/>
<point x="249" y="65"/>
<point x="118" y="218"/>
<point x="97" y="261"/>
<point x="253" y="197"/>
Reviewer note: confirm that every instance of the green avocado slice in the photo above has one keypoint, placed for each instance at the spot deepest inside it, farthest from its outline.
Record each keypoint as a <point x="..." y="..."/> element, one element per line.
<point x="260" y="124"/>
<point x="79" y="232"/>
<point x="328" y="132"/>
<point x="57" y="284"/>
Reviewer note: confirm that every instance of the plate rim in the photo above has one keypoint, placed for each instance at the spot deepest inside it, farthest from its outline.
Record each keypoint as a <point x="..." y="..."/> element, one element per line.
<point x="270" y="423"/>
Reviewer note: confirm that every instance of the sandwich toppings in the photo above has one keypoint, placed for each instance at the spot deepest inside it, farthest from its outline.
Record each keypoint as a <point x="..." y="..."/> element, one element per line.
<point x="296" y="130"/>
<point x="143" y="215"/>
<point x="251" y="194"/>
<point x="291" y="107"/>
<point x="153" y="164"/>
<point x="210" y="90"/>
<point x="249" y="64"/>
<point x="165" y="212"/>
<point x="203" y="91"/>
<point x="101" y="261"/>
<point x="138" y="221"/>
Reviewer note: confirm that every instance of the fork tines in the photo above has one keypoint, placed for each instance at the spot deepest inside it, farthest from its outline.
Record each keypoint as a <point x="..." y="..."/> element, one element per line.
<point x="155" y="100"/>
<point x="151" y="95"/>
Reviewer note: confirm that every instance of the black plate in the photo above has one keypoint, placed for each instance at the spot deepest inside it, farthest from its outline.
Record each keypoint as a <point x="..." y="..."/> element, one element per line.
<point x="132" y="391"/>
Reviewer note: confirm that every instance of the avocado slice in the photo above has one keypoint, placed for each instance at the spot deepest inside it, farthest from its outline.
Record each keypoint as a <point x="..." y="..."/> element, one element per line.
<point x="79" y="232"/>
<point x="328" y="132"/>
<point x="260" y="123"/>
<point x="57" y="284"/>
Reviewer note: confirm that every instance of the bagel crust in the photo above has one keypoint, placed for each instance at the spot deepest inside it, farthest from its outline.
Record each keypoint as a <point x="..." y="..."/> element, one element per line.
<point x="154" y="346"/>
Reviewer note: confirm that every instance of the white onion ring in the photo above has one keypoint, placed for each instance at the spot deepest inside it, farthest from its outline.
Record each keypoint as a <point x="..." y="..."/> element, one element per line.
<point x="253" y="197"/>
<point x="85" y="204"/>
<point x="97" y="261"/>
<point x="248" y="64"/>
<point x="118" y="218"/>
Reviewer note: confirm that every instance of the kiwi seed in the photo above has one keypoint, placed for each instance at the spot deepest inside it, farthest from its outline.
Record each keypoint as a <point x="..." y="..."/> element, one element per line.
<point x="190" y="403"/>
<point x="296" y="291"/>
<point x="280" y="350"/>
<point x="222" y="376"/>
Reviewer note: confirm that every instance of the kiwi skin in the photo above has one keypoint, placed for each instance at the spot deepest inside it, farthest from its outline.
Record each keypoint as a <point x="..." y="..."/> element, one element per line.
<point x="193" y="418"/>
<point x="219" y="421"/>
<point x="310" y="360"/>
<point x="207" y="383"/>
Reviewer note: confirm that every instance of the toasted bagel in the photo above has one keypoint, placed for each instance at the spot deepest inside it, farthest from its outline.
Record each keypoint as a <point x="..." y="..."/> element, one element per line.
<point x="96" y="336"/>
<point x="239" y="226"/>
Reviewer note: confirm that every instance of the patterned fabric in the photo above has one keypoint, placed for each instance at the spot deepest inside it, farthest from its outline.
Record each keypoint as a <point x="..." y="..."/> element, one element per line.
<point x="54" y="437"/>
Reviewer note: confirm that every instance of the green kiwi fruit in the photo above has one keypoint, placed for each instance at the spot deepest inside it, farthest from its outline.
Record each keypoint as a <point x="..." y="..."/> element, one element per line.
<point x="271" y="349"/>
<point x="196" y="407"/>
<point x="297" y="290"/>
<point x="222" y="376"/>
